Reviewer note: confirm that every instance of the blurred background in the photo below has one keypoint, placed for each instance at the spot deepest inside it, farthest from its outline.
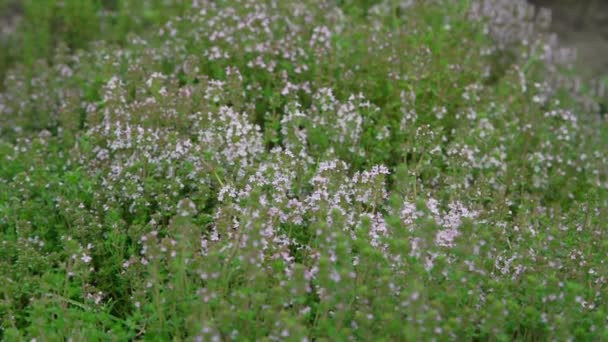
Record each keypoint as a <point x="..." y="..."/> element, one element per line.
<point x="582" y="24"/>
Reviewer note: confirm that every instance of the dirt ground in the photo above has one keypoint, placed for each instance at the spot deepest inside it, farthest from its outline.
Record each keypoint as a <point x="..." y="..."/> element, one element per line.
<point x="582" y="24"/>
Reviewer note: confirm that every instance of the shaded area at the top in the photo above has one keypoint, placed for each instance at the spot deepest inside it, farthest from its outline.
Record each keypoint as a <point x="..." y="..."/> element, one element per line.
<point x="582" y="24"/>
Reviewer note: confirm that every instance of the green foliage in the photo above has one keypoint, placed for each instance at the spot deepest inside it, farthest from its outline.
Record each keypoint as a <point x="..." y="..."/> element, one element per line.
<point x="278" y="170"/>
<point x="41" y="26"/>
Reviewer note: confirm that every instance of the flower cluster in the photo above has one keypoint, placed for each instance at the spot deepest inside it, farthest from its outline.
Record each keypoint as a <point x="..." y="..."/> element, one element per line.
<point x="307" y="170"/>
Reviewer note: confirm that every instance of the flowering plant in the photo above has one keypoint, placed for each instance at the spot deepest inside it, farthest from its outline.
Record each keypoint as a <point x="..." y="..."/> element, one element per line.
<point x="304" y="170"/>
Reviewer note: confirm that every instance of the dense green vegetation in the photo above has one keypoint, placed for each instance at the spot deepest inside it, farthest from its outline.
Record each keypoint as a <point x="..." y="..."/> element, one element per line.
<point x="297" y="170"/>
<point x="43" y="25"/>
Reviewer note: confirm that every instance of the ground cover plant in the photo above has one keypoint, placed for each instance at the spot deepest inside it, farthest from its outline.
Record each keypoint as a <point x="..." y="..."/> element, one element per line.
<point x="299" y="170"/>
